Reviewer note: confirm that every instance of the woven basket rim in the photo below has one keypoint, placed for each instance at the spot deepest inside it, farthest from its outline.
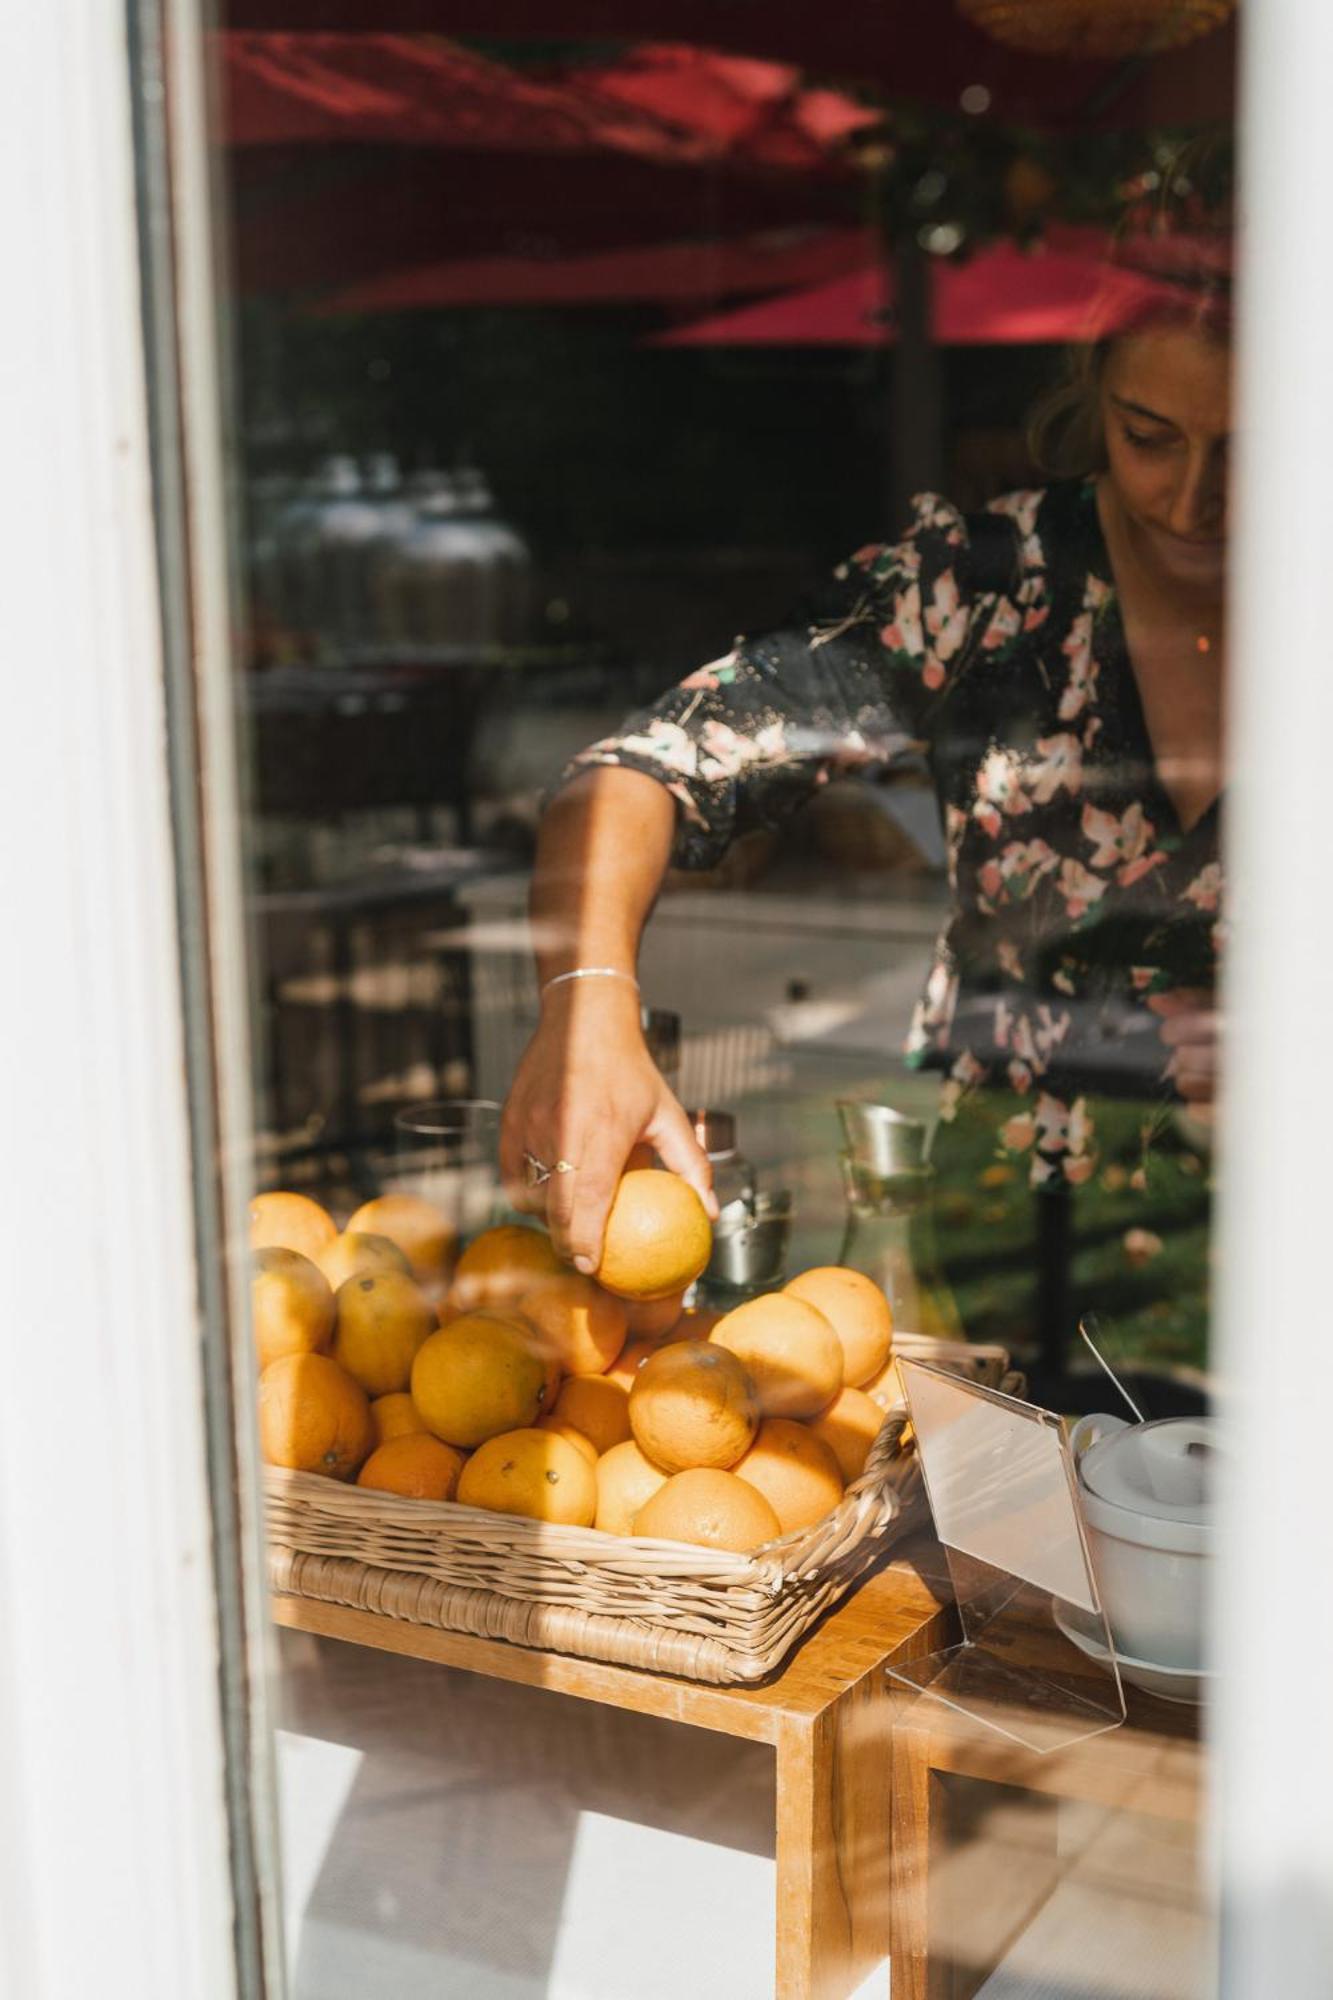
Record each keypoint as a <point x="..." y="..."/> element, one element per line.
<point x="710" y="1615"/>
<point x="767" y="1569"/>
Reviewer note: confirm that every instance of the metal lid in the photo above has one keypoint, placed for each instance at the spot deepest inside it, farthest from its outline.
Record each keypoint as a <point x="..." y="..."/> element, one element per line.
<point x="715" y="1131"/>
<point x="753" y="1251"/>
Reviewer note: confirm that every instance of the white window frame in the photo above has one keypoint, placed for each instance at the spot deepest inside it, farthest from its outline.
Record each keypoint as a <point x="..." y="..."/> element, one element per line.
<point x="1272" y="1724"/>
<point x="134" y="1859"/>
<point x="136" y="1849"/>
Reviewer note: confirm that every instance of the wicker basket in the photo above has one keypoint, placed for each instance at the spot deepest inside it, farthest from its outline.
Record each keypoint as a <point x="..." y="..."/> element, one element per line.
<point x="700" y="1613"/>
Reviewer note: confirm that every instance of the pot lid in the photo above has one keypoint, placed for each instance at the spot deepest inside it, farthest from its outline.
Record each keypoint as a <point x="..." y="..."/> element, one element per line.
<point x="1162" y="1470"/>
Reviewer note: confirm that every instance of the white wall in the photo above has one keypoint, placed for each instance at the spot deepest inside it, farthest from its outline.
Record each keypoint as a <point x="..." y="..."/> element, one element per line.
<point x="114" y="1872"/>
<point x="1273" y="1813"/>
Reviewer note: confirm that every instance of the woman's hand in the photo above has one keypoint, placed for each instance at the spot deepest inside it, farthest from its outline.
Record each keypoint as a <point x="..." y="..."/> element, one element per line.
<point x="587" y="1091"/>
<point x="1190" y="1024"/>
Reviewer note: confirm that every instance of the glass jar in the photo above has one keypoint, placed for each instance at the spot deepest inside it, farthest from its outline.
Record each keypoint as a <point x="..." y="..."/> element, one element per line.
<point x="335" y="563"/>
<point x="733" y="1176"/>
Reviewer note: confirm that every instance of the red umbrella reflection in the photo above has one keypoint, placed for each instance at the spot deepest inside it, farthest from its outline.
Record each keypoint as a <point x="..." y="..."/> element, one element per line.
<point x="1064" y="290"/>
<point x="659" y="101"/>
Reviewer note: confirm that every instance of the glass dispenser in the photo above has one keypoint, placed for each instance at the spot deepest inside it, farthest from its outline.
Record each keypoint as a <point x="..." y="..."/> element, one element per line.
<point x="890" y="1232"/>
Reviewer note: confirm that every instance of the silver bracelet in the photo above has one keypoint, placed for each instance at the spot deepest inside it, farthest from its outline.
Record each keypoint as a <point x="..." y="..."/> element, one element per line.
<point x="589" y="972"/>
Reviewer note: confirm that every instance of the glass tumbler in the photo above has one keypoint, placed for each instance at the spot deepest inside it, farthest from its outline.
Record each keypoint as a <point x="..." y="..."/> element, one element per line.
<point x="448" y="1152"/>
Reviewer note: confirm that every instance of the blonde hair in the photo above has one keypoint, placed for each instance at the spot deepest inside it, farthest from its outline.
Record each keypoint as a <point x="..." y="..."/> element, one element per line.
<point x="1065" y="434"/>
<point x="1187" y="259"/>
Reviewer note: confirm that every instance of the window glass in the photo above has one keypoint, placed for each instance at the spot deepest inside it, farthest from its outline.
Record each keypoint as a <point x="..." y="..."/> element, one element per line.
<point x="763" y="483"/>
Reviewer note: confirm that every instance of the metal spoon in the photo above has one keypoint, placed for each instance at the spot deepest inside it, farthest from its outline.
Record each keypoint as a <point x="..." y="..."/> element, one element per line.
<point x="1101" y="1359"/>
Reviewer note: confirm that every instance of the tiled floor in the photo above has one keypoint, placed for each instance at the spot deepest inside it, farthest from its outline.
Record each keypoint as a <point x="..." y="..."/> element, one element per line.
<point x="448" y="1837"/>
<point x="1125" y="1919"/>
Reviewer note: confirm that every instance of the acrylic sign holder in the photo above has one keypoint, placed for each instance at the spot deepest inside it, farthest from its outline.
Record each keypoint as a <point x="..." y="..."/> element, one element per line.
<point x="1003" y="1491"/>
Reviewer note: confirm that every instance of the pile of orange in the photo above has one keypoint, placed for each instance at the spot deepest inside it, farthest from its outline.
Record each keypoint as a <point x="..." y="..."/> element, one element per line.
<point x="501" y="1379"/>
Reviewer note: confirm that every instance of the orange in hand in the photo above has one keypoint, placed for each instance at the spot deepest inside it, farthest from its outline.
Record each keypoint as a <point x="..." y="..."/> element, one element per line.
<point x="658" y="1237"/>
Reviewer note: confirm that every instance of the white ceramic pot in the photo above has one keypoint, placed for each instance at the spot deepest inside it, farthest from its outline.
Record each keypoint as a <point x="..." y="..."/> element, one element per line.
<point x="1146" y="1501"/>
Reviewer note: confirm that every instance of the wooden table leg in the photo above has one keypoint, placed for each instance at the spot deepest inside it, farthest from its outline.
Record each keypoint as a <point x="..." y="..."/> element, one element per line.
<point x="912" y="1796"/>
<point x="833" y="1844"/>
<point x="948" y="1938"/>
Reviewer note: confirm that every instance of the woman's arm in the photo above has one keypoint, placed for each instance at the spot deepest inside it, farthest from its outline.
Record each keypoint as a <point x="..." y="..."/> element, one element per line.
<point x="587" y="1089"/>
<point x="742" y="742"/>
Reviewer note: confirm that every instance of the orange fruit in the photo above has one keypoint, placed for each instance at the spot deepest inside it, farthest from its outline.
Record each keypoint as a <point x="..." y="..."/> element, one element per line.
<point x="312" y="1416"/>
<point x="291" y="1305"/>
<point x="595" y="1405"/>
<point x="532" y="1472"/>
<point x="713" y="1508"/>
<point x="395" y="1415"/>
<point x="858" y="1312"/>
<point x="629" y="1361"/>
<point x="422" y="1232"/>
<point x="650" y="1319"/>
<point x="886" y="1388"/>
<point x="418" y="1467"/>
<point x="576" y="1438"/>
<point x="383" y="1317"/>
<point x="552" y="1372"/>
<point x="356" y="1250"/>
<point x="290" y="1222"/>
<point x="658" y="1237"/>
<point x="693" y="1404"/>
<point x="795" y="1471"/>
<point x="501" y="1264"/>
<point x="790" y="1350"/>
<point x="849" y="1426"/>
<point x="476" y="1377"/>
<point x="626" y="1481"/>
<point x="582" y="1324"/>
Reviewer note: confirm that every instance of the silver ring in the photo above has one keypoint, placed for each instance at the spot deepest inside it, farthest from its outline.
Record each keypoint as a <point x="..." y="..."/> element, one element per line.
<point x="537" y="1171"/>
<point x="564" y="1167"/>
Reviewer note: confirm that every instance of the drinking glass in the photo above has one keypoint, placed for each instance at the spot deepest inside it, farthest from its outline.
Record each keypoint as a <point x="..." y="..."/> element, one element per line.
<point x="448" y="1151"/>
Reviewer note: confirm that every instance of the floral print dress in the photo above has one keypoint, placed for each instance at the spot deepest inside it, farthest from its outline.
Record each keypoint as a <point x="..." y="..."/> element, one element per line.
<point x="990" y="648"/>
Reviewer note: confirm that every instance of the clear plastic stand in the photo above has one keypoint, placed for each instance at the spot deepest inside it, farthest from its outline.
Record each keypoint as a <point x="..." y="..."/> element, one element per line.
<point x="1035" y="1661"/>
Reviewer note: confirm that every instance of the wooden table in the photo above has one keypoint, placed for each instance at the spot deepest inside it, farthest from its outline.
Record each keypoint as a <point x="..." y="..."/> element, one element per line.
<point x="1150" y="1764"/>
<point x="827" y="1715"/>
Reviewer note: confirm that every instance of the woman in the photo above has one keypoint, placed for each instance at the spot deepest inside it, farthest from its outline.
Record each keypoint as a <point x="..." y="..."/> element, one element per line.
<point x="1058" y="663"/>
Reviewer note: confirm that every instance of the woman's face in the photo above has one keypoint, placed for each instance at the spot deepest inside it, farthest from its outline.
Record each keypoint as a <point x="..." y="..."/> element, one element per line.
<point x="1166" y="408"/>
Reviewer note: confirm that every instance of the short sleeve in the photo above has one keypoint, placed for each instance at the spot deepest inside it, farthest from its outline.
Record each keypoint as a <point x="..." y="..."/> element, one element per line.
<point x="854" y="683"/>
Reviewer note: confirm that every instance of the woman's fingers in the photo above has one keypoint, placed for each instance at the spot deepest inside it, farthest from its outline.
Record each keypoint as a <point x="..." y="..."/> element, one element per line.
<point x="516" y="1140"/>
<point x="579" y="1200"/>
<point x="1182" y="1000"/>
<point x="1192" y="1066"/>
<point x="671" y="1133"/>
<point x="1190" y="1024"/>
<point x="579" y="1109"/>
<point x="1184" y="1030"/>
